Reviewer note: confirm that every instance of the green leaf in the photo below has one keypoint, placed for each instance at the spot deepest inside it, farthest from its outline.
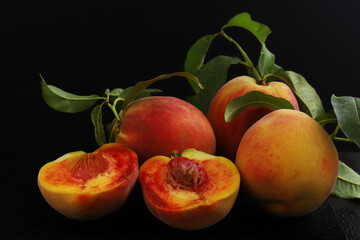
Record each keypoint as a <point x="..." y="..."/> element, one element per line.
<point x="266" y="64"/>
<point x="144" y="93"/>
<point x="96" y="118"/>
<point x="114" y="129"/>
<point x="109" y="128"/>
<point x="153" y="91"/>
<point x="254" y="99"/>
<point x="66" y="102"/>
<point x="309" y="101"/>
<point x="113" y="94"/>
<point x="141" y="85"/>
<point x="212" y="75"/>
<point x="195" y="57"/>
<point x="261" y="31"/>
<point x="347" y="185"/>
<point x="347" y="110"/>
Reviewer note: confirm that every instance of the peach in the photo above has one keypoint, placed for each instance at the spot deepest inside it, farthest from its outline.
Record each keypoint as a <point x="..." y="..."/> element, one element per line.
<point x="288" y="163"/>
<point x="192" y="191"/>
<point x="228" y="135"/>
<point x="85" y="186"/>
<point x="158" y="125"/>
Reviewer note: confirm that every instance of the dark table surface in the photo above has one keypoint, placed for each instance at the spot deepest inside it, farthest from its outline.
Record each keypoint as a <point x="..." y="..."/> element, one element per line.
<point x="25" y="214"/>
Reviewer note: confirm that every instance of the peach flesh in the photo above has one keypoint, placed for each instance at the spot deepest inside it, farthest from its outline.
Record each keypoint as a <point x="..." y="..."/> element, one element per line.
<point x="159" y="125"/>
<point x="228" y="135"/>
<point x="85" y="186"/>
<point x="288" y="163"/>
<point x="207" y="201"/>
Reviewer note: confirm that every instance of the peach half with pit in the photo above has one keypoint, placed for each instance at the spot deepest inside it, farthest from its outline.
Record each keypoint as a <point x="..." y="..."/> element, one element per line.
<point x="190" y="192"/>
<point x="86" y="186"/>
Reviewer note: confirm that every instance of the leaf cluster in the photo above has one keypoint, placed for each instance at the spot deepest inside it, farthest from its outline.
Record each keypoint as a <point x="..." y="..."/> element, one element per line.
<point x="213" y="75"/>
<point x="206" y="78"/>
<point x="117" y="100"/>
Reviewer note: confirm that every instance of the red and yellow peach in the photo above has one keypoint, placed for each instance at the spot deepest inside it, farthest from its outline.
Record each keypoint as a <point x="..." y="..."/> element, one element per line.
<point x="158" y="125"/>
<point x="288" y="163"/>
<point x="228" y="135"/>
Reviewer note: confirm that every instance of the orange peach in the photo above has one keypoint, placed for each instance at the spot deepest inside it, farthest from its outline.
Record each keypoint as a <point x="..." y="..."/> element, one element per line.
<point x="159" y="125"/>
<point x="288" y="163"/>
<point x="192" y="191"/>
<point x="85" y="186"/>
<point x="228" y="135"/>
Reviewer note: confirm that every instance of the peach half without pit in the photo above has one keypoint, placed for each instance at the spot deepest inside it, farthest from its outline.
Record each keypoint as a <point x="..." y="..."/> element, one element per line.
<point x="86" y="186"/>
<point x="190" y="192"/>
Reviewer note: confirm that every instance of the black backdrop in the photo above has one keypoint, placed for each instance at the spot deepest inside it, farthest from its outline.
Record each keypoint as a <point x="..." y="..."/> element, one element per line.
<point x="85" y="47"/>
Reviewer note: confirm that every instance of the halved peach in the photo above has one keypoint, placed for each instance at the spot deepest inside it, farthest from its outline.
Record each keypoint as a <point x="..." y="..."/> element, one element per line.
<point x="85" y="186"/>
<point x="192" y="191"/>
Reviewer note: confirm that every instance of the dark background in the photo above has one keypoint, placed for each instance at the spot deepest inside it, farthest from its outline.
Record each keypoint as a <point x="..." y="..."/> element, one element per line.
<point x="85" y="47"/>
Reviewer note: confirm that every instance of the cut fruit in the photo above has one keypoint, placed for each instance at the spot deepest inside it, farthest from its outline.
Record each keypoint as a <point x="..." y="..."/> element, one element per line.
<point x="87" y="186"/>
<point x="190" y="192"/>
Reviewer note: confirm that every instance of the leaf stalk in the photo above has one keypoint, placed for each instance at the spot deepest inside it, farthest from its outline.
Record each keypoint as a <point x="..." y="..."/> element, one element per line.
<point x="333" y="135"/>
<point x="113" y="108"/>
<point x="339" y="139"/>
<point x="247" y="61"/>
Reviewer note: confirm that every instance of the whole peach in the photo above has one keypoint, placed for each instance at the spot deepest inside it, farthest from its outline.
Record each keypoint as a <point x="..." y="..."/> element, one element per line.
<point x="159" y="125"/>
<point x="288" y="163"/>
<point x="228" y="135"/>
